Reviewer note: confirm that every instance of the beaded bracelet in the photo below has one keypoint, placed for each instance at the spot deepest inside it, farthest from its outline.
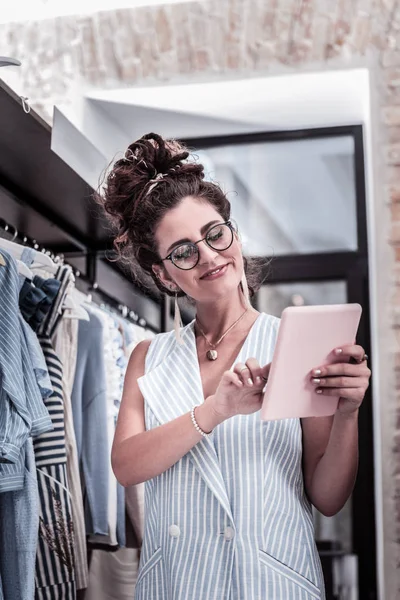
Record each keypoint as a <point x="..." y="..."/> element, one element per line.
<point x="196" y="425"/>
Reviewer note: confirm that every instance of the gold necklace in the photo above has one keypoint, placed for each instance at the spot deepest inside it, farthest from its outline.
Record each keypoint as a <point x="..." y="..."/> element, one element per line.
<point x="213" y="354"/>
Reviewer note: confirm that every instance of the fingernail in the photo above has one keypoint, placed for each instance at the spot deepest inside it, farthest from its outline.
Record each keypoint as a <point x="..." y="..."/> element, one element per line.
<point x="319" y="391"/>
<point x="338" y="351"/>
<point x="317" y="372"/>
<point x="316" y="381"/>
<point x="240" y="382"/>
<point x="258" y="379"/>
<point x="250" y="381"/>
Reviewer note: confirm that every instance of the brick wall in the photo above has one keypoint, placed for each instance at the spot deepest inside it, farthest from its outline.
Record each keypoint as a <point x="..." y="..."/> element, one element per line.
<point x="227" y="38"/>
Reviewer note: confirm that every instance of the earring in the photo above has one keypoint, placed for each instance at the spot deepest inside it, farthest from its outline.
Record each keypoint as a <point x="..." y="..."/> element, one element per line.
<point x="245" y="288"/>
<point x="177" y="321"/>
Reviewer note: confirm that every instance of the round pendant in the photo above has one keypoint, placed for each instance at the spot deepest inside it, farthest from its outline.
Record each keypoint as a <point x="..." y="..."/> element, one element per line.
<point x="212" y="354"/>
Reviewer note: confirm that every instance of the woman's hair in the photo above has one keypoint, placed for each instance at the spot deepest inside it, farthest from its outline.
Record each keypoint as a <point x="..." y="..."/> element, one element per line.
<point x="152" y="178"/>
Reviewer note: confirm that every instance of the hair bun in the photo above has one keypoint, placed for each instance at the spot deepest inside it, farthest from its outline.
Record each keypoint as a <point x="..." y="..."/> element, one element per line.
<point x="152" y="155"/>
<point x="131" y="180"/>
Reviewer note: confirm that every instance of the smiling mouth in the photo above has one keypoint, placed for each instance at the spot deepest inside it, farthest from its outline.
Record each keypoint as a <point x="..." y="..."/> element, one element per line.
<point x="215" y="271"/>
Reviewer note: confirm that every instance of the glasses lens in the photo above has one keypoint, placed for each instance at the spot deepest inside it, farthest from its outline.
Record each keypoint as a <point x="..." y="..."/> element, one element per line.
<point x="220" y="237"/>
<point x="185" y="256"/>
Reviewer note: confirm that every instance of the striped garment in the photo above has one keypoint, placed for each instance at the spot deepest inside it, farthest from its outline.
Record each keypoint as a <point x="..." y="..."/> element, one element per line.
<point x="12" y="475"/>
<point x="230" y="520"/>
<point x="22" y="412"/>
<point x="66" y="345"/>
<point x="19" y="518"/>
<point x="55" y="571"/>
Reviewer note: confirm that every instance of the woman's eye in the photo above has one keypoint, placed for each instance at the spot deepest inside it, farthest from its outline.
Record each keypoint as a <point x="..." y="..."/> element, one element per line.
<point x="183" y="253"/>
<point x="215" y="235"/>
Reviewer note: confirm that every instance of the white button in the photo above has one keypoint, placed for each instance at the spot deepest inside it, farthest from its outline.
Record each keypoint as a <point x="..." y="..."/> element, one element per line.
<point x="174" y="531"/>
<point x="229" y="534"/>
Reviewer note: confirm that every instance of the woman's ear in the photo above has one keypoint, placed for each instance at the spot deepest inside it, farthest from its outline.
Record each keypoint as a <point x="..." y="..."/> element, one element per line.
<point x="161" y="273"/>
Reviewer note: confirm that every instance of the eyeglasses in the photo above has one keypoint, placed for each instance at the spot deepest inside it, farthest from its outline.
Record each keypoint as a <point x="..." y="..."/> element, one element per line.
<point x="186" y="256"/>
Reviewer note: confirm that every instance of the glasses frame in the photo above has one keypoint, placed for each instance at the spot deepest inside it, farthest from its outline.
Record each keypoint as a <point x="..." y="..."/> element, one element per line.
<point x="204" y="239"/>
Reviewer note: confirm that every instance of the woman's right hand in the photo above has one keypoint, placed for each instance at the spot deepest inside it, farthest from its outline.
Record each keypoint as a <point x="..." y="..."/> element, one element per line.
<point x="240" y="392"/>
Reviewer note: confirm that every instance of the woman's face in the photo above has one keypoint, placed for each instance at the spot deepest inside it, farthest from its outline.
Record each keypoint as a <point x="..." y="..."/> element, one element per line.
<point x="217" y="273"/>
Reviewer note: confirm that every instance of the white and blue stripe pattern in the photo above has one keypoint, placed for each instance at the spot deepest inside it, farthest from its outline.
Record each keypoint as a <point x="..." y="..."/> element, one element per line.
<point x="55" y="569"/>
<point x="15" y="419"/>
<point x="230" y="520"/>
<point x="22" y="412"/>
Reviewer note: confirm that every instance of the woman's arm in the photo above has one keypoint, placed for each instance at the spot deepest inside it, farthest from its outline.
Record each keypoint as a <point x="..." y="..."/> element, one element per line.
<point x="330" y="460"/>
<point x="138" y="455"/>
<point x="330" y="444"/>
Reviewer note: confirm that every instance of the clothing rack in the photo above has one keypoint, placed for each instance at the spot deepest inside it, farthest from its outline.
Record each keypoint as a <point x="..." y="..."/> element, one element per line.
<point x="82" y="282"/>
<point x="46" y="199"/>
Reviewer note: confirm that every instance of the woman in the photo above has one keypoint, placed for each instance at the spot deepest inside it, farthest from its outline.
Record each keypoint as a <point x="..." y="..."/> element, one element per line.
<point x="228" y="497"/>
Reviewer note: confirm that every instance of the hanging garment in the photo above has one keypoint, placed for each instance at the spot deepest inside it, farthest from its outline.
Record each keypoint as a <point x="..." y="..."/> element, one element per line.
<point x="55" y="569"/>
<point x="19" y="518"/>
<point x="110" y="540"/>
<point x="65" y="278"/>
<point x="69" y="340"/>
<point x="35" y="299"/>
<point x="65" y="344"/>
<point x="22" y="413"/>
<point x="231" y="518"/>
<point x="89" y="406"/>
<point x="37" y="359"/>
<point x="15" y="420"/>
<point x="113" y="575"/>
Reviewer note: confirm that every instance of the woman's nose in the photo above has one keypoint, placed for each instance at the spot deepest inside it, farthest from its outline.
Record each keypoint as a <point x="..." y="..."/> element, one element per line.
<point x="207" y="254"/>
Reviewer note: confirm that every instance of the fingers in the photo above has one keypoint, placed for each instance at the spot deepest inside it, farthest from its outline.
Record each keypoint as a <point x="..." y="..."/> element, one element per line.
<point x="232" y="377"/>
<point x="337" y="382"/>
<point x="355" y="352"/>
<point x="348" y="380"/>
<point x="249" y="373"/>
<point x="342" y="369"/>
<point x="244" y="374"/>
<point x="356" y="395"/>
<point x="265" y="373"/>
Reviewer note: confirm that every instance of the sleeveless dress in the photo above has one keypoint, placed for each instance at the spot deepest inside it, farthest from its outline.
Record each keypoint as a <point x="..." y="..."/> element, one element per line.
<point x="230" y="520"/>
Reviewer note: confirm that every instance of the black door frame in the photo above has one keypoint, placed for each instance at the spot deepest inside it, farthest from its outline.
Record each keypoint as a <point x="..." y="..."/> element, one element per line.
<point x="352" y="267"/>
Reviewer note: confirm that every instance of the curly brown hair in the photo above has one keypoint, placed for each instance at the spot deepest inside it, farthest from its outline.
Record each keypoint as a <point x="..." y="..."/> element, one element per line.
<point x="153" y="177"/>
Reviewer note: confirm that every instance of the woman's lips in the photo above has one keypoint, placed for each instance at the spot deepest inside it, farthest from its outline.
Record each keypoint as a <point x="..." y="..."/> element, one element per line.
<point x="215" y="273"/>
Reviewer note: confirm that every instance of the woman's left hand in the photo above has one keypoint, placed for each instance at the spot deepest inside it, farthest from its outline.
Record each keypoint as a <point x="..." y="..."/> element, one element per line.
<point x="349" y="380"/>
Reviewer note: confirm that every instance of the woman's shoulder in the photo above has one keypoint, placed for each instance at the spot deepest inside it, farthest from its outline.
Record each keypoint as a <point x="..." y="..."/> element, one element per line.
<point x="163" y="344"/>
<point x="268" y="327"/>
<point x="269" y="321"/>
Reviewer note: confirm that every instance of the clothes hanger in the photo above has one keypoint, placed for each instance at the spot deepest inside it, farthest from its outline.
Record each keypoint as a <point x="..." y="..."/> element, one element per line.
<point x="22" y="268"/>
<point x="16" y="250"/>
<point x="8" y="61"/>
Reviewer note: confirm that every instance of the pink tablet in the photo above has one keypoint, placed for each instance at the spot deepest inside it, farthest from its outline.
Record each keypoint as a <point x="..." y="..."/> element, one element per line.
<point x="306" y="339"/>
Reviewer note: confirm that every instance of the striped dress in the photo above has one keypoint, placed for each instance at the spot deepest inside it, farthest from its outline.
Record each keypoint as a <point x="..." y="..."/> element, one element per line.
<point x="55" y="568"/>
<point x="230" y="520"/>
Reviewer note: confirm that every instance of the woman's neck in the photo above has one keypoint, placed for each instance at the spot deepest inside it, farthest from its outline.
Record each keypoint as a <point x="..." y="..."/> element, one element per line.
<point x="216" y="318"/>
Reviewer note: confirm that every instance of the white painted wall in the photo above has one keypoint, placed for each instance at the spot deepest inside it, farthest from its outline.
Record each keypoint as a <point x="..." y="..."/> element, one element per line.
<point x="276" y="102"/>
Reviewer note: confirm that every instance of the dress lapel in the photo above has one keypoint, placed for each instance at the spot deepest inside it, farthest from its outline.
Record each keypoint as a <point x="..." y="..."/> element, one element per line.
<point x="172" y="388"/>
